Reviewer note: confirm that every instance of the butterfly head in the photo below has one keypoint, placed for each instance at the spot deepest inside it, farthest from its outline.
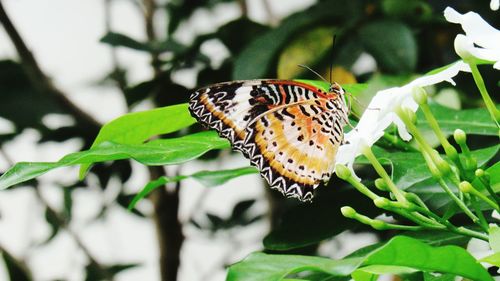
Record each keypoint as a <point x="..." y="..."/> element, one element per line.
<point x="336" y="89"/>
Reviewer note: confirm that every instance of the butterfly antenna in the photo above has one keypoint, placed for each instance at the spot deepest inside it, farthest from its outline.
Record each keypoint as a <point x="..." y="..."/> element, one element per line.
<point x="331" y="58"/>
<point x="310" y="69"/>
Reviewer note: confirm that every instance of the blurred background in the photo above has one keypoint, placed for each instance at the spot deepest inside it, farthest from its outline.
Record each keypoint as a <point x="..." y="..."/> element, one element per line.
<point x="67" y="67"/>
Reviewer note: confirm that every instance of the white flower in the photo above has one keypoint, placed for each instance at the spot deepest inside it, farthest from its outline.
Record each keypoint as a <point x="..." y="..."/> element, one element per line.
<point x="494" y="5"/>
<point x="477" y="31"/>
<point x="380" y="113"/>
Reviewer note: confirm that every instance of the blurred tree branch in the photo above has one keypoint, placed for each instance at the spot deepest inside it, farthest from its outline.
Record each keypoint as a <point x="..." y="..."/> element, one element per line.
<point x="39" y="80"/>
<point x="100" y="269"/>
<point x="168" y="226"/>
<point x="166" y="202"/>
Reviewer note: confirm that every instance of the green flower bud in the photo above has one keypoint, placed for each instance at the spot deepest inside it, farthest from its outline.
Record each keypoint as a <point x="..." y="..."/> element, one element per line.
<point x="443" y="166"/>
<point x="382" y="202"/>
<point x="348" y="212"/>
<point x="342" y="172"/>
<point x="381" y="185"/>
<point x="465" y="187"/>
<point x="420" y="95"/>
<point x="479" y="173"/>
<point x="451" y="151"/>
<point x="460" y="137"/>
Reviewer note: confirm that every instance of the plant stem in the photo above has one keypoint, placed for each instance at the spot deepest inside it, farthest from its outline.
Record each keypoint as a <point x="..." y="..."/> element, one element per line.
<point x="482" y="221"/>
<point x="383" y="174"/>
<point x="39" y="80"/>
<point x="490" y="105"/>
<point x="459" y="202"/>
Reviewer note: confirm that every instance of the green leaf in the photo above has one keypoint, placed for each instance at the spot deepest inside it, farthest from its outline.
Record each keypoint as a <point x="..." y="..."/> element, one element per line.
<point x="21" y="102"/>
<point x="305" y="49"/>
<point x="411" y="10"/>
<point x="445" y="259"/>
<point x="396" y="55"/>
<point x="409" y="168"/>
<point x="361" y="275"/>
<point x="16" y="269"/>
<point x="207" y="178"/>
<point x="136" y="127"/>
<point x="259" y="266"/>
<point x="494" y="238"/>
<point x="493" y="259"/>
<point x="122" y="40"/>
<point x="494" y="172"/>
<point x="156" y="152"/>
<point x="393" y="256"/>
<point x="256" y="60"/>
<point x="472" y="121"/>
<point x="304" y="225"/>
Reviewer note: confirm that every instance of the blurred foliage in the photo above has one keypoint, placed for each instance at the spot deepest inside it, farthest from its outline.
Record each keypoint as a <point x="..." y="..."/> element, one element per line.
<point x="405" y="38"/>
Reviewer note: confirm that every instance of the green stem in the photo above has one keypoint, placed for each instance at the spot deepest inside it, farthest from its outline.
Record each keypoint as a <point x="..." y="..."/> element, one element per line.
<point x="396" y="142"/>
<point x="482" y="221"/>
<point x="362" y="188"/>
<point x="490" y="105"/>
<point x="459" y="202"/>
<point x="485" y="198"/>
<point x="367" y="151"/>
<point x="450" y="151"/>
<point x="468" y="232"/>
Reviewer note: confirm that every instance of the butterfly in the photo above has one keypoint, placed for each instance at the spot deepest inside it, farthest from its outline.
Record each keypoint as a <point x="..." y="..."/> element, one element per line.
<point x="290" y="130"/>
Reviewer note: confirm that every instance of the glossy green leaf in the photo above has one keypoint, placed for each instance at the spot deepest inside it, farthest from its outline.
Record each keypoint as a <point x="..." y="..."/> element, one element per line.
<point x="494" y="238"/>
<point x="122" y="40"/>
<point x="493" y="259"/>
<point x="136" y="127"/>
<point x="304" y="49"/>
<point x="397" y="55"/>
<point x="260" y="266"/>
<point x="472" y="121"/>
<point x="494" y="172"/>
<point x="445" y="259"/>
<point x="256" y="60"/>
<point x="409" y="168"/>
<point x="156" y="152"/>
<point x="393" y="255"/>
<point x="207" y="178"/>
<point x="308" y="224"/>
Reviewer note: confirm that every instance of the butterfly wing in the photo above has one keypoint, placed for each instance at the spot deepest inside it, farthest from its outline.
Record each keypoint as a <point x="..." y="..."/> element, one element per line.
<point x="295" y="147"/>
<point x="250" y="113"/>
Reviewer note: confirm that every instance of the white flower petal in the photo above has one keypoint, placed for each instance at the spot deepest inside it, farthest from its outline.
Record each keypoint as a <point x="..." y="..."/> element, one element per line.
<point x="380" y="113"/>
<point x="475" y="27"/>
<point x="494" y="5"/>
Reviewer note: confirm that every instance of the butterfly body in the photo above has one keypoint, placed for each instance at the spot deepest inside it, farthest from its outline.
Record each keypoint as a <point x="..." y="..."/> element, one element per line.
<point x="289" y="130"/>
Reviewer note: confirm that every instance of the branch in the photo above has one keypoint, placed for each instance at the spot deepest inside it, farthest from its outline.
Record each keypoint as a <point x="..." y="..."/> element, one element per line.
<point x="168" y="226"/>
<point x="62" y="223"/>
<point x="38" y="79"/>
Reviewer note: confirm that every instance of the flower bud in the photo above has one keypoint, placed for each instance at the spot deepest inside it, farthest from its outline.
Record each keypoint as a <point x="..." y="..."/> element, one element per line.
<point x="419" y="95"/>
<point x="381" y="185"/>
<point x="460" y="136"/>
<point x="465" y="187"/>
<point x="479" y="173"/>
<point x="348" y="212"/>
<point x="443" y="166"/>
<point x="381" y="202"/>
<point x="342" y="171"/>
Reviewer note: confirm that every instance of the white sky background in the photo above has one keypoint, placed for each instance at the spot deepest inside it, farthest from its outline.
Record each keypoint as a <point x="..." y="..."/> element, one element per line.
<point x="64" y="36"/>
